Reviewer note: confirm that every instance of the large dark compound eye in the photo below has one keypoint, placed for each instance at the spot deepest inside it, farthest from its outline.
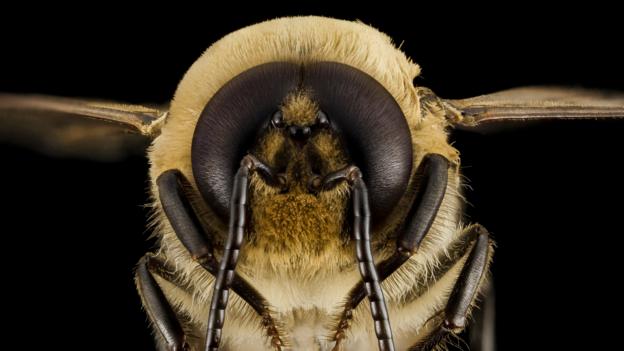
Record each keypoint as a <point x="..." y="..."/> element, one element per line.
<point x="229" y="122"/>
<point x="373" y="126"/>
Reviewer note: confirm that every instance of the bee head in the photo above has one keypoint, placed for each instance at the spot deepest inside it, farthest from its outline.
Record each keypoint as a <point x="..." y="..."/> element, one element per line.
<point x="304" y="121"/>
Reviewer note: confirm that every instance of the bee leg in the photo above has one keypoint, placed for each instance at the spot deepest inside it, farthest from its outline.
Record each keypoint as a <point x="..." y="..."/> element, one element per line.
<point x="188" y="229"/>
<point x="467" y="285"/>
<point x="421" y="214"/>
<point x="420" y="218"/>
<point x="158" y="308"/>
<point x="181" y="215"/>
<point x="464" y="292"/>
<point x="426" y="205"/>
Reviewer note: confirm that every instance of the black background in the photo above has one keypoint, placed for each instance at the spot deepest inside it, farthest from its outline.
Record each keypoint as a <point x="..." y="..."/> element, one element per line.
<point x="551" y="194"/>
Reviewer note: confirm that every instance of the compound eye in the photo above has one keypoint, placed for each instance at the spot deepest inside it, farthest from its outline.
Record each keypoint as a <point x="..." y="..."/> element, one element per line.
<point x="322" y="120"/>
<point x="277" y="121"/>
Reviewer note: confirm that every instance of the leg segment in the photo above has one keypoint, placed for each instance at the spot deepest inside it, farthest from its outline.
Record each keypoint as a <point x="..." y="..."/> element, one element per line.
<point x="426" y="205"/>
<point x="467" y="285"/>
<point x="158" y="309"/>
<point x="419" y="220"/>
<point x="464" y="292"/>
<point x="421" y="215"/>
<point x="182" y="217"/>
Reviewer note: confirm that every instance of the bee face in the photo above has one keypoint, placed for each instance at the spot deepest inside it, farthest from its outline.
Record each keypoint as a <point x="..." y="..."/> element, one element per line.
<point x="289" y="120"/>
<point x="312" y="120"/>
<point x="308" y="101"/>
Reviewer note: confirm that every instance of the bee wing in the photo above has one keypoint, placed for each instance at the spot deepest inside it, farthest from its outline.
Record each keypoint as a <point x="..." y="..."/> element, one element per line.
<point x="77" y="128"/>
<point x="533" y="104"/>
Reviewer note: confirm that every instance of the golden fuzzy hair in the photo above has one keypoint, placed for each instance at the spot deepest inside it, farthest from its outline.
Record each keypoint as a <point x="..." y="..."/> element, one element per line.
<point x="299" y="108"/>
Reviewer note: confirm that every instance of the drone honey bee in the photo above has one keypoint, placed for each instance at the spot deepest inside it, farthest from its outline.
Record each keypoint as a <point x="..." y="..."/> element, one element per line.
<point x="297" y="172"/>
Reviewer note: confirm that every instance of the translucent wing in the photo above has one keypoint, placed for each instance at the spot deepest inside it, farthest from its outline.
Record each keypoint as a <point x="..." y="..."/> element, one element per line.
<point x="533" y="104"/>
<point x="77" y="128"/>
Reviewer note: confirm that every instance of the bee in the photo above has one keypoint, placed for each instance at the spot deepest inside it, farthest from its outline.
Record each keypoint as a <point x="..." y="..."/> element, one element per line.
<point x="297" y="173"/>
